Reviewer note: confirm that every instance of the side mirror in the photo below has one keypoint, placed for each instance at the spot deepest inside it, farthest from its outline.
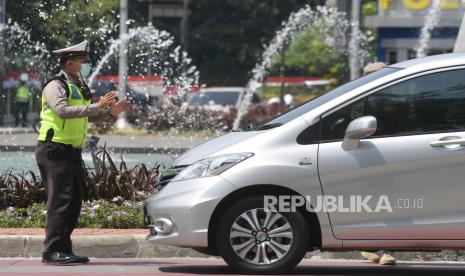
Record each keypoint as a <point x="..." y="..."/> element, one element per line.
<point x="358" y="129"/>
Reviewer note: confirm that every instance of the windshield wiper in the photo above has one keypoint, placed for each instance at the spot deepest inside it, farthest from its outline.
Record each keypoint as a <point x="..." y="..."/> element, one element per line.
<point x="267" y="126"/>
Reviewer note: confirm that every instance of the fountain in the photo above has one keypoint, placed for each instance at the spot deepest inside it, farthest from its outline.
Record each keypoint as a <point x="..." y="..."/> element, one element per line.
<point x="296" y="23"/>
<point x="431" y="20"/>
<point x="460" y="41"/>
<point x="18" y="50"/>
<point x="152" y="51"/>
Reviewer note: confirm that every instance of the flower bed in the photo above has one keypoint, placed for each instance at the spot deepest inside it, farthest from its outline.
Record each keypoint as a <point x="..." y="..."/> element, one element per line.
<point x="115" y="214"/>
<point x="112" y="196"/>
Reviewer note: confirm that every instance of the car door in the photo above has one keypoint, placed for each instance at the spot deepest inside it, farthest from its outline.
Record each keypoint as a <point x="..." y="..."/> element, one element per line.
<point x="415" y="162"/>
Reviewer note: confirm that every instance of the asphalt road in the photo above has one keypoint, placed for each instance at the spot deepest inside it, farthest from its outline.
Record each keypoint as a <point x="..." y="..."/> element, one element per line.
<point x="186" y="266"/>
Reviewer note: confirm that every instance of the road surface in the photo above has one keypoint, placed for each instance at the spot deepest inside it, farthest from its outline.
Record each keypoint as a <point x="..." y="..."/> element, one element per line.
<point x="189" y="266"/>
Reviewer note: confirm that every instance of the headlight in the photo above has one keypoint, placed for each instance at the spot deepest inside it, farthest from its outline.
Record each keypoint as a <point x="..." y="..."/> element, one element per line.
<point x="212" y="166"/>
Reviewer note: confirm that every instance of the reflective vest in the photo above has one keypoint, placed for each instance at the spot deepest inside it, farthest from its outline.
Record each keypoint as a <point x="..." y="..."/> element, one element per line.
<point x="64" y="131"/>
<point x="22" y="94"/>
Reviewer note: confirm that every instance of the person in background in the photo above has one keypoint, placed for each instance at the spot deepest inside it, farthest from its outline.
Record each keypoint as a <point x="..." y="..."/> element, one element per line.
<point x="22" y="100"/>
<point x="66" y="110"/>
<point x="385" y="259"/>
<point x="373" y="67"/>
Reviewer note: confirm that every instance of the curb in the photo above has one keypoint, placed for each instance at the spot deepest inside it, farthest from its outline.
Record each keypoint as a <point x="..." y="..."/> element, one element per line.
<point x="14" y="130"/>
<point x="95" y="246"/>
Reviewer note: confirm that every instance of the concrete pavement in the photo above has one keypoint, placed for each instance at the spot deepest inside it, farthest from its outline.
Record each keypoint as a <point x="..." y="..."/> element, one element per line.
<point x="192" y="266"/>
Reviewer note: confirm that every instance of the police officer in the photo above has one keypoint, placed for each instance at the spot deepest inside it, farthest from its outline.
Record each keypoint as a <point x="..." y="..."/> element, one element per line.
<point x="66" y="110"/>
<point x="22" y="100"/>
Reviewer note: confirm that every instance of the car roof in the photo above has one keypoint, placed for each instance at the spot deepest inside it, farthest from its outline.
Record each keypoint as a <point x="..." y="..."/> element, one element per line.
<point x="223" y="89"/>
<point x="434" y="61"/>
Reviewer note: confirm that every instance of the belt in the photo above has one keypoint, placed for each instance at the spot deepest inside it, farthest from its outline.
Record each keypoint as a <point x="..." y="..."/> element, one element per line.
<point x="74" y="147"/>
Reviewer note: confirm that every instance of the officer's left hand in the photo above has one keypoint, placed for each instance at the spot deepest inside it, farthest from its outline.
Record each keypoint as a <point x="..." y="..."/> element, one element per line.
<point x="118" y="107"/>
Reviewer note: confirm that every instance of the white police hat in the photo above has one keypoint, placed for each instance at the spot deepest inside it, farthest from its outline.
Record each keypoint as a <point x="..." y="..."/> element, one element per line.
<point x="79" y="50"/>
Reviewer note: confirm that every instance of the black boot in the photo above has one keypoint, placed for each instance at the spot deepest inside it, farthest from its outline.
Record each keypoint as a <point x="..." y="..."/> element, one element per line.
<point x="61" y="258"/>
<point x="83" y="259"/>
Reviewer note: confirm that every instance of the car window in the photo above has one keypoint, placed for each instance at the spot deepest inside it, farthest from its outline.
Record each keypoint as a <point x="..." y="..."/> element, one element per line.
<point x="219" y="98"/>
<point x="426" y="104"/>
<point x="339" y="91"/>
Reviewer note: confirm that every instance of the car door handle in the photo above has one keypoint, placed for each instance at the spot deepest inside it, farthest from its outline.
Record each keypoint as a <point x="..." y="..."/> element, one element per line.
<point x="449" y="141"/>
<point x="305" y="161"/>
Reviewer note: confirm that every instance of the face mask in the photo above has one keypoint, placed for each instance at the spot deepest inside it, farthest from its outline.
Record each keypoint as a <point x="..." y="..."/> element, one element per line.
<point x="85" y="69"/>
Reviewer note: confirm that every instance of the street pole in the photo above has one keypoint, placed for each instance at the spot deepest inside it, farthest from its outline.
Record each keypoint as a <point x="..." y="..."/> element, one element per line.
<point x="281" y="74"/>
<point x="185" y="24"/>
<point x="460" y="41"/>
<point x="122" y="122"/>
<point x="354" y="60"/>
<point x="2" y="61"/>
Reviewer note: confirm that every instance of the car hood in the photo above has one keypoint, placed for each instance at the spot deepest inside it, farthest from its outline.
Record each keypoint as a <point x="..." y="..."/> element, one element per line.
<point x="206" y="149"/>
<point x="211" y="107"/>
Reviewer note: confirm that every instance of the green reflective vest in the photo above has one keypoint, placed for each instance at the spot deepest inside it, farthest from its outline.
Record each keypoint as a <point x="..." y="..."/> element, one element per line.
<point x="22" y="94"/>
<point x="65" y="131"/>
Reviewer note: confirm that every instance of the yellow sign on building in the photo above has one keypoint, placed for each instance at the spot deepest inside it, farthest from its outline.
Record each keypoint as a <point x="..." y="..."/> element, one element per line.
<point x="421" y="4"/>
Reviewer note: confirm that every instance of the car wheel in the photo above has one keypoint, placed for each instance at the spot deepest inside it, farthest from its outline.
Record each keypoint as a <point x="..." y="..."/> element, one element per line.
<point x="252" y="239"/>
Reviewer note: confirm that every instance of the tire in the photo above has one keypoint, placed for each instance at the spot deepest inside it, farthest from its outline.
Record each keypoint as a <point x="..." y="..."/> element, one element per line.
<point x="277" y="254"/>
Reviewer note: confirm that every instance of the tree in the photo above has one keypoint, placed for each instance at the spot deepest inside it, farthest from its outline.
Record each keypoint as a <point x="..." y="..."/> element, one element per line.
<point x="313" y="53"/>
<point x="227" y="36"/>
<point x="61" y="23"/>
<point x="321" y="51"/>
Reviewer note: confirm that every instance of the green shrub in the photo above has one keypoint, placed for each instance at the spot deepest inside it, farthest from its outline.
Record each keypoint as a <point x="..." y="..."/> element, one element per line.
<point x="106" y="181"/>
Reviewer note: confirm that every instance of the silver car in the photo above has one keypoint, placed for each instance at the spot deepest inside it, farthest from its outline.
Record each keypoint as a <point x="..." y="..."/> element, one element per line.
<point x="396" y="134"/>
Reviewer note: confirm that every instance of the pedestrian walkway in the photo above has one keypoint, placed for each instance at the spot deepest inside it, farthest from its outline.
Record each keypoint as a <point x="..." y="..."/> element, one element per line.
<point x="16" y="130"/>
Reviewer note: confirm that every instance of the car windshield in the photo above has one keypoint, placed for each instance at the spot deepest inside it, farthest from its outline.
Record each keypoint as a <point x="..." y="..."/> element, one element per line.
<point x="341" y="90"/>
<point x="218" y="98"/>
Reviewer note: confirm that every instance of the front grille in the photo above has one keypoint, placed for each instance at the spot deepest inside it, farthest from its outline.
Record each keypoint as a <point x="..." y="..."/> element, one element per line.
<point x="168" y="174"/>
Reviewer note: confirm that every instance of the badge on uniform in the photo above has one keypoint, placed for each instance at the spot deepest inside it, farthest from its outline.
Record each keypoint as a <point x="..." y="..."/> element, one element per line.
<point x="75" y="95"/>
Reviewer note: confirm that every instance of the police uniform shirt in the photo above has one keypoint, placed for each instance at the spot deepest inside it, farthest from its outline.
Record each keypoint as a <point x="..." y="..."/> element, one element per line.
<point x="55" y="96"/>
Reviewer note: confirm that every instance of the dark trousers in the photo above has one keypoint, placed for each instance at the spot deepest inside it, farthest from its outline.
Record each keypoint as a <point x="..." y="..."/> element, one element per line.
<point x="21" y="109"/>
<point x="62" y="171"/>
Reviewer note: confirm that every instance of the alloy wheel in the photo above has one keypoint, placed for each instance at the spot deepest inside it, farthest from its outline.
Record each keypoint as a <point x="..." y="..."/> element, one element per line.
<point x="261" y="236"/>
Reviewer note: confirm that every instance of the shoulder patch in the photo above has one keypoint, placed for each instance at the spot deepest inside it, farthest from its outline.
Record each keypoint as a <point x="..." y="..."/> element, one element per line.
<point x="75" y="94"/>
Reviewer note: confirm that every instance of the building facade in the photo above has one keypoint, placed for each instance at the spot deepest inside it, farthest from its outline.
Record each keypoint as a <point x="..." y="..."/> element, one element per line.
<point x="399" y="22"/>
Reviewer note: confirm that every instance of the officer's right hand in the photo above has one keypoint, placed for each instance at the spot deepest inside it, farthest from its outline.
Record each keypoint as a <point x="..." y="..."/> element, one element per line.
<point x="108" y="99"/>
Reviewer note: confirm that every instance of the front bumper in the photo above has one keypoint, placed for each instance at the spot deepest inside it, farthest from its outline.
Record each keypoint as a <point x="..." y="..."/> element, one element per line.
<point x="188" y="205"/>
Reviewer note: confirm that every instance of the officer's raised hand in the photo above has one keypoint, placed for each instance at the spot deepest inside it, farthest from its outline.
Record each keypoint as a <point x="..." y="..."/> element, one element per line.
<point x="108" y="99"/>
<point x="117" y="108"/>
